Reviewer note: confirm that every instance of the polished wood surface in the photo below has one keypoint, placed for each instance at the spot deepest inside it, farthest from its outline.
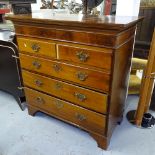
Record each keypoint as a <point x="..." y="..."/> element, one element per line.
<point x="147" y="85"/>
<point x="78" y="95"/>
<point x="106" y="39"/>
<point x="99" y="58"/>
<point x="77" y="115"/>
<point x="90" y="71"/>
<point x="85" y="21"/>
<point x="37" y="47"/>
<point x="94" y="79"/>
<point x="102" y="141"/>
<point x="64" y="34"/>
<point x="121" y="72"/>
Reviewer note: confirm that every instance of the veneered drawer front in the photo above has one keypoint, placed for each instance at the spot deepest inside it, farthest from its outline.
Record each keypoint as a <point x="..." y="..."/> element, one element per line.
<point x="99" y="57"/>
<point x="80" y="96"/>
<point x="76" y="115"/>
<point x="101" y="39"/>
<point x="87" y="77"/>
<point x="37" y="47"/>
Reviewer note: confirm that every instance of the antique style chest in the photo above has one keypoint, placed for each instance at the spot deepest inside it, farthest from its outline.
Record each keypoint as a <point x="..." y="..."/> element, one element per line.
<point x="76" y="68"/>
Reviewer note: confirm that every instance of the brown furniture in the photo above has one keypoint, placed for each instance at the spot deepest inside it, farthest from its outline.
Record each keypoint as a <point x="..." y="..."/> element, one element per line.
<point x="76" y="68"/>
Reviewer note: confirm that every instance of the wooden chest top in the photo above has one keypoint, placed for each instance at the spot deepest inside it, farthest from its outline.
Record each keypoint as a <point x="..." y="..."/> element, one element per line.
<point x="100" y="31"/>
<point x="116" y="23"/>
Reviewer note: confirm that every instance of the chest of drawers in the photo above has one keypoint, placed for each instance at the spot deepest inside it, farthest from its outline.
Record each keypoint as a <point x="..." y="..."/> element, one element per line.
<point x="76" y="68"/>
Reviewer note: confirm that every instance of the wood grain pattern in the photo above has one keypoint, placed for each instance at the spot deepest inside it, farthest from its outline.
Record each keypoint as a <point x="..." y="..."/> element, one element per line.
<point x="120" y="78"/>
<point x="147" y="85"/>
<point x="112" y="23"/>
<point x="76" y="115"/>
<point x="99" y="39"/>
<point x="102" y="141"/>
<point x="37" y="47"/>
<point x="102" y="58"/>
<point x="79" y="36"/>
<point x="103" y="66"/>
<point x="91" y="100"/>
<point x="93" y="78"/>
<point x="125" y="36"/>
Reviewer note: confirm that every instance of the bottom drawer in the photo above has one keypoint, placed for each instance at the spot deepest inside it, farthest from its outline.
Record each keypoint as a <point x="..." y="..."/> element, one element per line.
<point x="73" y="114"/>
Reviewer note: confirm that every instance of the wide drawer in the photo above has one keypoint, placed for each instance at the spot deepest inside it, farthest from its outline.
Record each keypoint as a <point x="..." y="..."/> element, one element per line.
<point x="37" y="47"/>
<point x="98" y="57"/>
<point x="76" y="115"/>
<point x="88" y="77"/>
<point x="80" y="96"/>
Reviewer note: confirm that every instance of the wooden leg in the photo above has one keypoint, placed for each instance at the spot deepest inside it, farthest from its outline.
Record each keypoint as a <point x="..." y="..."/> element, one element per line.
<point x="102" y="141"/>
<point x="32" y="110"/>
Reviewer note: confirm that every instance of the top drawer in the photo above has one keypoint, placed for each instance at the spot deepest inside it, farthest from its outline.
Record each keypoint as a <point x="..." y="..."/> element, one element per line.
<point x="98" y="57"/>
<point x="37" y="47"/>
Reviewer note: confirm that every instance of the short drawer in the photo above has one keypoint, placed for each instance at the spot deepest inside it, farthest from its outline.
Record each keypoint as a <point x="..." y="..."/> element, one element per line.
<point x="37" y="47"/>
<point x="91" y="78"/>
<point x="73" y="114"/>
<point x="77" y="95"/>
<point x="98" y="57"/>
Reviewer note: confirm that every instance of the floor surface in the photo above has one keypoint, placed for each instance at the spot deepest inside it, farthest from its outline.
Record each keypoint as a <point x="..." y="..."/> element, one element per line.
<point x="21" y="134"/>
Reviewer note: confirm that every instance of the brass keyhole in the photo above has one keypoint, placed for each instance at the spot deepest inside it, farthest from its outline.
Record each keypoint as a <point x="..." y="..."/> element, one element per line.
<point x="35" y="47"/>
<point x="58" y="86"/>
<point x="80" y="97"/>
<point x="82" y="56"/>
<point x="40" y="100"/>
<point x="36" y="64"/>
<point x="38" y="83"/>
<point x="59" y="104"/>
<point x="81" y="76"/>
<point x="80" y="117"/>
<point x="57" y="67"/>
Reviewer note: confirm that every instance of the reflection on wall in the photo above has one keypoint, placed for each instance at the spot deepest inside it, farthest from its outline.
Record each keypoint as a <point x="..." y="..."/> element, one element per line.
<point x="74" y="6"/>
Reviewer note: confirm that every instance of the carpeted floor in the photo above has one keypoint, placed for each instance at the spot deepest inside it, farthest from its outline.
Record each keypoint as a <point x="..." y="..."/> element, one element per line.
<point x="21" y="134"/>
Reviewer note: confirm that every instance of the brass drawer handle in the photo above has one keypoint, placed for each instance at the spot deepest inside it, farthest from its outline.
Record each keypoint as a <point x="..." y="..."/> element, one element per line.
<point x="35" y="47"/>
<point x="80" y="96"/>
<point x="59" y="104"/>
<point x="58" y="86"/>
<point x="81" y="76"/>
<point x="40" y="100"/>
<point x="38" y="83"/>
<point x="82" y="56"/>
<point x="36" y="64"/>
<point x="80" y="117"/>
<point x="57" y="67"/>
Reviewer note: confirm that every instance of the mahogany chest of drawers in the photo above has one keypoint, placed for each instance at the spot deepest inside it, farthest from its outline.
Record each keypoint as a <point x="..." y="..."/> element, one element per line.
<point x="76" y="68"/>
